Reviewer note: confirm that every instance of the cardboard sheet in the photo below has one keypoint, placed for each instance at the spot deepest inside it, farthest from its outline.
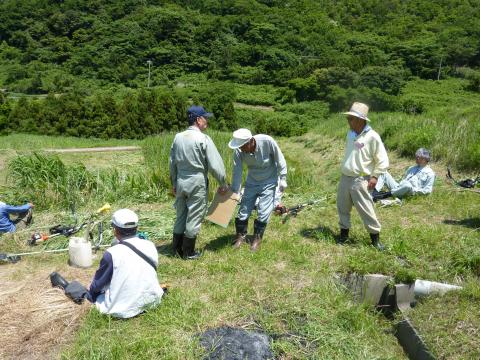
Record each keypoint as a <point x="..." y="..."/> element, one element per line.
<point x="222" y="208"/>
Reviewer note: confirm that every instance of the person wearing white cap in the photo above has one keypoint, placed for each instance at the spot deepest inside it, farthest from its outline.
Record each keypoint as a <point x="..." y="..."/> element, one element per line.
<point x="364" y="161"/>
<point x="417" y="180"/>
<point x="126" y="281"/>
<point x="266" y="167"/>
<point x="192" y="156"/>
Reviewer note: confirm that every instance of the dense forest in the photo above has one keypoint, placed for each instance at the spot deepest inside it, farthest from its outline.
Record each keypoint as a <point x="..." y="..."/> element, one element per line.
<point x="310" y="49"/>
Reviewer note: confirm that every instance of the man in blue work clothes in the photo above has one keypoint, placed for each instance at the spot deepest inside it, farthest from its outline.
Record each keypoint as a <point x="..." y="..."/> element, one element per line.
<point x="193" y="155"/>
<point x="266" y="167"/>
<point x="22" y="213"/>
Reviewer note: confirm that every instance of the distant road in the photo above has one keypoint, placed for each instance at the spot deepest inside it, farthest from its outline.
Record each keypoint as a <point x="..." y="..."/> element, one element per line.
<point x="95" y="149"/>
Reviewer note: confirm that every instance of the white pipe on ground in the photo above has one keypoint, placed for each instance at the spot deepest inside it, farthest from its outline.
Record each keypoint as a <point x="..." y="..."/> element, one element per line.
<point x="425" y="287"/>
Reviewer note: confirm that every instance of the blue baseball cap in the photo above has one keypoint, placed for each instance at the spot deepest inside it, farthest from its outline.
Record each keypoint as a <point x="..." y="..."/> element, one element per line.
<point x="198" y="111"/>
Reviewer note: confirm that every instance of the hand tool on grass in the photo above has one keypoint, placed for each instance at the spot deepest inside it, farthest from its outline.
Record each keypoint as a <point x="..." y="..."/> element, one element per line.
<point x="286" y="213"/>
<point x="68" y="230"/>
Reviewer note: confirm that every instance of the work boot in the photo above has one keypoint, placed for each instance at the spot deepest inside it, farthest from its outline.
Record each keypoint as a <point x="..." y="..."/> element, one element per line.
<point x="380" y="195"/>
<point x="376" y="242"/>
<point x="258" y="230"/>
<point x="188" y="248"/>
<point x="57" y="280"/>
<point x="177" y="243"/>
<point x="241" y="227"/>
<point x="342" y="239"/>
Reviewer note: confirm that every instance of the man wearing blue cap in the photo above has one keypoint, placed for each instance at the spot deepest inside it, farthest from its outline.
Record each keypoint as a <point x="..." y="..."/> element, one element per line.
<point x="192" y="156"/>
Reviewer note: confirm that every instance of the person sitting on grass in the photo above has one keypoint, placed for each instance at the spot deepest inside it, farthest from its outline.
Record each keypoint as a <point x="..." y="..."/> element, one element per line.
<point x="418" y="179"/>
<point x="126" y="282"/>
<point x="22" y="217"/>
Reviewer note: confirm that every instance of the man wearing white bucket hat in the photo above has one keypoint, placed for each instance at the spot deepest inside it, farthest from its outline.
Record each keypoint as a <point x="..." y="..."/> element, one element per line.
<point x="126" y="282"/>
<point x="192" y="156"/>
<point x="364" y="161"/>
<point x="266" y="168"/>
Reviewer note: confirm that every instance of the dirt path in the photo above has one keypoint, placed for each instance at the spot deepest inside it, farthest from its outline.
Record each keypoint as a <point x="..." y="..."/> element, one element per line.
<point x="96" y="149"/>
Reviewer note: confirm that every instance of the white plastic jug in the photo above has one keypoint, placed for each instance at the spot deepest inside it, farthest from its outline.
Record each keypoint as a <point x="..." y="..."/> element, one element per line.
<point x="80" y="251"/>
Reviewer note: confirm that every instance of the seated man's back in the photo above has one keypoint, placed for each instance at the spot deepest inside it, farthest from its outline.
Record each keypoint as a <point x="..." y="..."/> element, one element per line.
<point x="134" y="283"/>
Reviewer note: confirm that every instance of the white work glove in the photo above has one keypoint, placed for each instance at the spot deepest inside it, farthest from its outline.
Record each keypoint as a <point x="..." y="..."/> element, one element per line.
<point x="282" y="185"/>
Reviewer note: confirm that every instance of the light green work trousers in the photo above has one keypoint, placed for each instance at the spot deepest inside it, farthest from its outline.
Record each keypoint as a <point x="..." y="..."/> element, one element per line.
<point x="190" y="204"/>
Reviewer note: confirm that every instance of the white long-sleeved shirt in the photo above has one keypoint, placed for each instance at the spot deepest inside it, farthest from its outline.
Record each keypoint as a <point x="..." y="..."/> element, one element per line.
<point x="265" y="165"/>
<point x="134" y="284"/>
<point x="365" y="154"/>
<point x="421" y="179"/>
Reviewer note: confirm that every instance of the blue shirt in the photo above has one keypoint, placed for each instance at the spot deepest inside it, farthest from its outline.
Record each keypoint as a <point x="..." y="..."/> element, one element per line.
<point x="6" y="225"/>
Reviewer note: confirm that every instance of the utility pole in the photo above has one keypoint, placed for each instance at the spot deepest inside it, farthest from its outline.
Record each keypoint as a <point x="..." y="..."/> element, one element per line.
<point x="440" y="68"/>
<point x="149" y="62"/>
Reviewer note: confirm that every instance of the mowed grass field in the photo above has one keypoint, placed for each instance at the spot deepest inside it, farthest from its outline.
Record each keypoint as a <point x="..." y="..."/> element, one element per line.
<point x="288" y="288"/>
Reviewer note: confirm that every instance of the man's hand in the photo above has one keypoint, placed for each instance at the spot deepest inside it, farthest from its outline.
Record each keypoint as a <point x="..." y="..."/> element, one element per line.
<point x="31" y="205"/>
<point x="235" y="196"/>
<point x="372" y="182"/>
<point x="222" y="190"/>
<point x="282" y="185"/>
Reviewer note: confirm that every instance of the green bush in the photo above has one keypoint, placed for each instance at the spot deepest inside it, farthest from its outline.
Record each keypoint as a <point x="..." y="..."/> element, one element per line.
<point x="281" y="124"/>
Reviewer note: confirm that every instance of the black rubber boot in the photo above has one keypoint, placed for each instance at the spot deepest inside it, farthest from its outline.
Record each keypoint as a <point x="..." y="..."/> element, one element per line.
<point x="57" y="280"/>
<point x="188" y="248"/>
<point x="343" y="237"/>
<point x="376" y="242"/>
<point x="177" y="243"/>
<point x="258" y="230"/>
<point x="241" y="227"/>
<point x="380" y="195"/>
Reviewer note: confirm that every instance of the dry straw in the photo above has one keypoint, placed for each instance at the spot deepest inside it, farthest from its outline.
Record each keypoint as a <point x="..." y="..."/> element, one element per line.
<point x="36" y="319"/>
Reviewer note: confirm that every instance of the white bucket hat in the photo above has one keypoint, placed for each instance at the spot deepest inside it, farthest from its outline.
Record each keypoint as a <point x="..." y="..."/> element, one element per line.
<point x="125" y="219"/>
<point x="240" y="137"/>
<point x="359" y="110"/>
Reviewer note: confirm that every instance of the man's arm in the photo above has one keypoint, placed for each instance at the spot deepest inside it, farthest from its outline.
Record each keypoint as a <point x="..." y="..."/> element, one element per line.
<point x="215" y="162"/>
<point x="17" y="209"/>
<point x="380" y="158"/>
<point x="172" y="165"/>
<point x="102" y="277"/>
<point x="237" y="171"/>
<point x="279" y="160"/>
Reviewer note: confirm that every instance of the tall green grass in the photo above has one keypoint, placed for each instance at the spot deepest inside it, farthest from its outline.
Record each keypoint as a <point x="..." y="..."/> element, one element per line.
<point x="48" y="182"/>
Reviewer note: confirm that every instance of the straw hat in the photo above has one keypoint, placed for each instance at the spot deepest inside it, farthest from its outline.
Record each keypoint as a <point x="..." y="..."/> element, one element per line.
<point x="359" y="110"/>
<point x="240" y="137"/>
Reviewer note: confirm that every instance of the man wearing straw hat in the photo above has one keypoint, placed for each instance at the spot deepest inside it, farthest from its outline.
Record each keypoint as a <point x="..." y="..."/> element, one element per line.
<point x="192" y="156"/>
<point x="266" y="167"/>
<point x="364" y="161"/>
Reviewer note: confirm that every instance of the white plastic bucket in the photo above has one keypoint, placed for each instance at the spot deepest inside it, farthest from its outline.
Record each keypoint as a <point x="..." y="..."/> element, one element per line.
<point x="80" y="252"/>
